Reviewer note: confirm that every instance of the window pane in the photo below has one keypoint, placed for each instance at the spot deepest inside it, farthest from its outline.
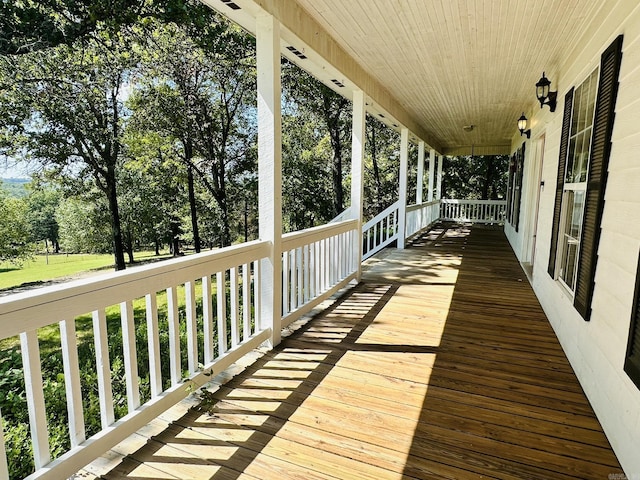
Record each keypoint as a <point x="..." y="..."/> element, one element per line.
<point x="577" y="97"/>
<point x="591" y="99"/>
<point x="570" y="160"/>
<point x="574" y="201"/>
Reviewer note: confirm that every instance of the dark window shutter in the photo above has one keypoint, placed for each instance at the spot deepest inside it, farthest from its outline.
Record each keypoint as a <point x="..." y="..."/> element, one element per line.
<point x="512" y="162"/>
<point x="562" y="160"/>
<point x="518" y="199"/>
<point x="632" y="360"/>
<point x="597" y="181"/>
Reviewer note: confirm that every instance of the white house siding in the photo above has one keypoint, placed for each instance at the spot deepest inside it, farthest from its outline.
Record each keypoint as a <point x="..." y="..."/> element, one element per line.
<point x="596" y="349"/>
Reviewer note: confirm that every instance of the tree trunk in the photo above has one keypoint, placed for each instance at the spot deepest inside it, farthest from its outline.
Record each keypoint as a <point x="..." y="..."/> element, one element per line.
<point x="175" y="238"/>
<point x="56" y="246"/>
<point x="488" y="178"/>
<point x="129" y="247"/>
<point x="192" y="206"/>
<point x="157" y="246"/>
<point x="246" y="219"/>
<point x="376" y="168"/>
<point x="116" y="229"/>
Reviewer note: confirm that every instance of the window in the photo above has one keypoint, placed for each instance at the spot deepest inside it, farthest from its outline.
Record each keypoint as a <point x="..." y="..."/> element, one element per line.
<point x="514" y="187"/>
<point x="575" y="178"/>
<point x="585" y="146"/>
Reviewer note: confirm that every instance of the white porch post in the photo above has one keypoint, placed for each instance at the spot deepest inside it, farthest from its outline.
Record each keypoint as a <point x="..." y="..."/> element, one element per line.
<point x="439" y="185"/>
<point x="432" y="163"/>
<point x="270" y="172"/>
<point x="420" y="172"/>
<point x="357" y="170"/>
<point x="402" y="190"/>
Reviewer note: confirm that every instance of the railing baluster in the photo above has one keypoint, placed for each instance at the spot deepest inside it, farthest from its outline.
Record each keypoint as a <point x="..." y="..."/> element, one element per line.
<point x="175" y="363"/>
<point x="312" y="271"/>
<point x="246" y="301"/>
<point x="4" y="467"/>
<point x="103" y="368"/>
<point x="207" y="319"/>
<point x="325" y="264"/>
<point x="300" y="273"/>
<point x="259" y="323"/>
<point x="72" y="387"/>
<point x="153" y="342"/>
<point x="293" y="280"/>
<point x="285" y="283"/>
<point x="130" y="355"/>
<point x="307" y="273"/>
<point x="221" y="289"/>
<point x="235" y="307"/>
<point x="192" y="332"/>
<point x="32" y="368"/>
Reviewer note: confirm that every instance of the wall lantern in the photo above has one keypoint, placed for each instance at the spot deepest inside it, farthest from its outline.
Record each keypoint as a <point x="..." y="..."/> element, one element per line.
<point x="522" y="125"/>
<point x="546" y="97"/>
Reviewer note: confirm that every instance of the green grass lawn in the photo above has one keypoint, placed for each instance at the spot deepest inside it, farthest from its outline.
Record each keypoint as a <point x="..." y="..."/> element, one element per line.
<point x="41" y="268"/>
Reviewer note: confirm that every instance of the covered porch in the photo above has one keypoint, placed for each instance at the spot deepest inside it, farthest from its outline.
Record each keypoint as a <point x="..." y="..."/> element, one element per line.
<point x="439" y="364"/>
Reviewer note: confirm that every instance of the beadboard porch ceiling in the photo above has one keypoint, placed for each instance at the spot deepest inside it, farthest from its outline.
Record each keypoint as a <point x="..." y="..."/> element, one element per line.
<point x="446" y="63"/>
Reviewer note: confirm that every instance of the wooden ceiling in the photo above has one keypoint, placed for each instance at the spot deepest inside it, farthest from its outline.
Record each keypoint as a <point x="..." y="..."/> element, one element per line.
<point x="452" y="63"/>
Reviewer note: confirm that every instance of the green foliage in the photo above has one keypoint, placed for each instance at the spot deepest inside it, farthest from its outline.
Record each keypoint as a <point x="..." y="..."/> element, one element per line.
<point x="12" y="390"/>
<point x="15" y="187"/>
<point x="15" y="243"/>
<point x="475" y="177"/>
<point x="330" y="115"/>
<point x="382" y="167"/>
<point x="42" y="204"/>
<point x="84" y="227"/>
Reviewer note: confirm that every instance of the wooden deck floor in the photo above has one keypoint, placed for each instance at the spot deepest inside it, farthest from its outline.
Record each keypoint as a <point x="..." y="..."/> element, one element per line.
<point x="440" y="364"/>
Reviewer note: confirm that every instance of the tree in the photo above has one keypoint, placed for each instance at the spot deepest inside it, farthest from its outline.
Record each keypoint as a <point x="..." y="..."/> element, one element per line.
<point x="329" y="108"/>
<point x="381" y="175"/>
<point x="29" y="25"/>
<point x="71" y="98"/>
<point x="203" y="98"/>
<point x="82" y="225"/>
<point x="41" y="205"/>
<point x="475" y="177"/>
<point x="307" y="197"/>
<point x="14" y="230"/>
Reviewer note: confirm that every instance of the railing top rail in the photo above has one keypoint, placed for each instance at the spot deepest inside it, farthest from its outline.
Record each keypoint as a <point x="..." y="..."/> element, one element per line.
<point x="386" y="212"/>
<point x="62" y="302"/>
<point x="303" y="237"/>
<point x="473" y="202"/>
<point x="418" y="206"/>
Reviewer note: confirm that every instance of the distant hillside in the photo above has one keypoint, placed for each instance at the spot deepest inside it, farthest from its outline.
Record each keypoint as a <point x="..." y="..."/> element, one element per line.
<point x="15" y="187"/>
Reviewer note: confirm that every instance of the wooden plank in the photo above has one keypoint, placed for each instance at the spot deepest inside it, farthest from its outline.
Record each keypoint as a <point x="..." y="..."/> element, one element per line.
<point x="455" y="375"/>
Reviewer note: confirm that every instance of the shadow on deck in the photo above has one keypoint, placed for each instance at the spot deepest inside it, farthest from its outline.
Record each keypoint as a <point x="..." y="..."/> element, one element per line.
<point x="440" y="364"/>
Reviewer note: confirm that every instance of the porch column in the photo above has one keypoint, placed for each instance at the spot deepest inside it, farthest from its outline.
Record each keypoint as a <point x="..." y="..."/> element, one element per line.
<point x="420" y="172"/>
<point x="432" y="163"/>
<point x="402" y="190"/>
<point x="358" y="137"/>
<point x="269" y="172"/>
<point x="439" y="185"/>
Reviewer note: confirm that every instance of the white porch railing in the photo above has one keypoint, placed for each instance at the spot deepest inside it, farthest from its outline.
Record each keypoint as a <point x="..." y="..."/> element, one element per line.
<point x="474" y="211"/>
<point x="227" y="336"/>
<point x="213" y="296"/>
<point x="380" y="231"/>
<point x="316" y="263"/>
<point x="421" y="216"/>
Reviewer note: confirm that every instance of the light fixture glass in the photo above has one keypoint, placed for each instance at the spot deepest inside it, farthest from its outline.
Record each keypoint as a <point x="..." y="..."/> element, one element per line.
<point x="544" y="94"/>
<point x="522" y="126"/>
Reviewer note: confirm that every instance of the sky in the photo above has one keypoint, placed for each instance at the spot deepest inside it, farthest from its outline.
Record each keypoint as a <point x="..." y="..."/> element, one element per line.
<point x="9" y="170"/>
